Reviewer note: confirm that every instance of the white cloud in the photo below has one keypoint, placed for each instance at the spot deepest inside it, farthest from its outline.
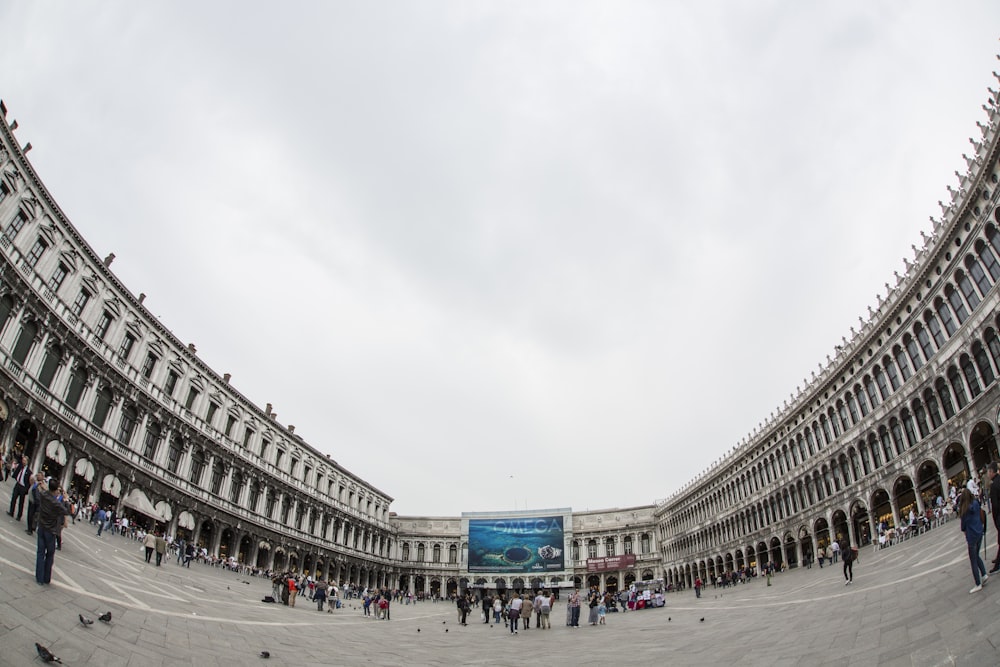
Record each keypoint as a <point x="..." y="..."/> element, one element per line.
<point x="587" y="245"/>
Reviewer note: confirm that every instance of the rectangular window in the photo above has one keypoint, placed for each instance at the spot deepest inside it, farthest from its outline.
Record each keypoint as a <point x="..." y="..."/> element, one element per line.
<point x="171" y="383"/>
<point x="192" y="397"/>
<point x="36" y="251"/>
<point x="277" y="458"/>
<point x="230" y="423"/>
<point x="103" y="325"/>
<point x="58" y="276"/>
<point x="16" y="224"/>
<point x="264" y="444"/>
<point x="247" y="434"/>
<point x="149" y="365"/>
<point x="3" y="191"/>
<point x="210" y="415"/>
<point x="81" y="301"/>
<point x="126" y="347"/>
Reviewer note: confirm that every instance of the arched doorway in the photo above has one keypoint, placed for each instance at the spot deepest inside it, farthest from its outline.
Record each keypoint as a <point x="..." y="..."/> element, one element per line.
<point x="955" y="466"/>
<point x="861" y="522"/>
<point x="882" y="508"/>
<point x="906" y="498"/>
<point x="263" y="553"/>
<point x="226" y="543"/>
<point x="840" y="526"/>
<point x="983" y="445"/>
<point x="451" y="588"/>
<point x="776" y="555"/>
<point x="280" y="557"/>
<point x="611" y="584"/>
<point x="55" y="459"/>
<point x="25" y="439"/>
<point x="245" y="545"/>
<point x="205" y="535"/>
<point x="593" y="581"/>
<point x="630" y="578"/>
<point x="83" y="476"/>
<point x="791" y="553"/>
<point x="929" y="483"/>
<point x="436" y="588"/>
<point x="111" y="491"/>
<point x="805" y="545"/>
<point x="822" y="531"/>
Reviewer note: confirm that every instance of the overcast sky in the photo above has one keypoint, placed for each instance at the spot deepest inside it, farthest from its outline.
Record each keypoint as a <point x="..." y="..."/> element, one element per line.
<point x="497" y="256"/>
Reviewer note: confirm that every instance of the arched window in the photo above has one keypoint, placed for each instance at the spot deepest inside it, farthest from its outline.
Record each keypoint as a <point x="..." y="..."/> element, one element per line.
<point x="865" y="462"/>
<point x="925" y="341"/>
<point x="627" y="545"/>
<point x="453" y="554"/>
<point x="644" y="541"/>
<point x="437" y="553"/>
<point x="810" y="441"/>
<point x="993" y="343"/>
<point x="236" y="488"/>
<point x="883" y="386"/>
<point x="958" y="387"/>
<point x="254" y="498"/>
<point x="897" y="435"/>
<point x="921" y="418"/>
<point x="609" y="546"/>
<point x="970" y="375"/>
<point x="942" y="390"/>
<point x="933" y="411"/>
<point x="53" y="355"/>
<point x="913" y="351"/>
<point x="883" y="436"/>
<point x="872" y="392"/>
<point x="955" y="299"/>
<point x="174" y="453"/>
<point x="217" y="475"/>
<point x="852" y="406"/>
<point x="874" y="449"/>
<point x="197" y="467"/>
<point x="978" y="275"/>
<point x="591" y="548"/>
<point x="902" y="362"/>
<point x="911" y="434"/>
<point x="406" y="551"/>
<point x="845" y="423"/>
<point x="25" y="339"/>
<point x="859" y="395"/>
<point x="945" y="313"/>
<point x="101" y="407"/>
<point x="420" y="552"/>
<point x="890" y="370"/>
<point x="934" y="327"/>
<point x="126" y="425"/>
<point x="983" y="363"/>
<point x="6" y="308"/>
<point x="994" y="238"/>
<point x="970" y="293"/>
<point x="989" y="261"/>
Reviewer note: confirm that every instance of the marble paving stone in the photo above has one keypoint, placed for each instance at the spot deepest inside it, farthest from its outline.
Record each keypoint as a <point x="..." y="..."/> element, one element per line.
<point x="909" y="605"/>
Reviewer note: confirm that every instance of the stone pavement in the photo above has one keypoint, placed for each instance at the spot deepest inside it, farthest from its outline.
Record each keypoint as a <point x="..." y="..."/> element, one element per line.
<point x="909" y="605"/>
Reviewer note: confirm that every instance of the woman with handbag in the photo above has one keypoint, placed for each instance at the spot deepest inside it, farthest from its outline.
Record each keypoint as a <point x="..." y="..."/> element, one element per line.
<point x="972" y="525"/>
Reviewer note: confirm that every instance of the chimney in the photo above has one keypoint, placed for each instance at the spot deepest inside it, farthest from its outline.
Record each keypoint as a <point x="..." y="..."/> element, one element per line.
<point x="267" y="410"/>
<point x="225" y="378"/>
<point x="192" y="349"/>
<point x="142" y="297"/>
<point x="110" y="258"/>
<point x="291" y="428"/>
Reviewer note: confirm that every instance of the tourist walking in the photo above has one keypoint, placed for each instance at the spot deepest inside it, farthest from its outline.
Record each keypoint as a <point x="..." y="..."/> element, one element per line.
<point x="592" y="601"/>
<point x="847" y="555"/>
<point x="972" y="526"/>
<point x="515" y="612"/>
<point x="149" y="542"/>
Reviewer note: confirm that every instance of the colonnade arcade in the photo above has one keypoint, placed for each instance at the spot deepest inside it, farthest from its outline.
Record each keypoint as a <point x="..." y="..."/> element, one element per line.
<point x="890" y="501"/>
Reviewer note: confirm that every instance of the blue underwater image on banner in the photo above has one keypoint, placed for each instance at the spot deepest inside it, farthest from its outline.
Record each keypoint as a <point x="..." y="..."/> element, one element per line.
<point x="516" y="544"/>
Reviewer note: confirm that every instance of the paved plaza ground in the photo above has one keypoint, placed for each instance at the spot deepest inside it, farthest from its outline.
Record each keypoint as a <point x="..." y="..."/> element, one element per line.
<point x="910" y="605"/>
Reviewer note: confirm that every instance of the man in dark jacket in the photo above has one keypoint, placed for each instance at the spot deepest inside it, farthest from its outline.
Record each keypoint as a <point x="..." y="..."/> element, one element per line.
<point x="51" y="514"/>
<point x="33" y="493"/>
<point x="22" y="480"/>
<point x="993" y="472"/>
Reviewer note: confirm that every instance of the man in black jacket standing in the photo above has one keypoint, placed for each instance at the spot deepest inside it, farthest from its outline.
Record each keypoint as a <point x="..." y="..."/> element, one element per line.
<point x="993" y="472"/>
<point x="52" y="511"/>
<point x="22" y="480"/>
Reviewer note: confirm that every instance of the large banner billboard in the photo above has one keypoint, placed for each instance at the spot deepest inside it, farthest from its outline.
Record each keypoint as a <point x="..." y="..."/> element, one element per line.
<point x="516" y="544"/>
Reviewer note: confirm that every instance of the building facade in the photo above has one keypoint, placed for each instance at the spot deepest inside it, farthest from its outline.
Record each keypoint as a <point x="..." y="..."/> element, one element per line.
<point x="907" y="408"/>
<point x="97" y="392"/>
